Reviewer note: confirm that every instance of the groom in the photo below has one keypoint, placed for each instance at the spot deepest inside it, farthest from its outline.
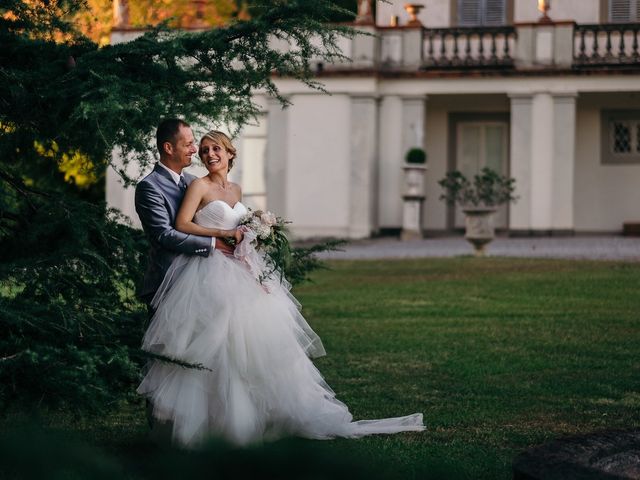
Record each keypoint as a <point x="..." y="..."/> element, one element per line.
<point x="158" y="199"/>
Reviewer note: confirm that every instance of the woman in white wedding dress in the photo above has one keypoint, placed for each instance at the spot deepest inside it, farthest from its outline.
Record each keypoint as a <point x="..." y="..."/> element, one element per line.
<point x="257" y="381"/>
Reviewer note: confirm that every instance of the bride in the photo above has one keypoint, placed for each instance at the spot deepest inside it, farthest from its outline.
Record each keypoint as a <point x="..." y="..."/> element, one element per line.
<point x="255" y="380"/>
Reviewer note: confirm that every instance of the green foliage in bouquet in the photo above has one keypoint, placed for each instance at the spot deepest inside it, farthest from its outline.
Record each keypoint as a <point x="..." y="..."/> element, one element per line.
<point x="283" y="260"/>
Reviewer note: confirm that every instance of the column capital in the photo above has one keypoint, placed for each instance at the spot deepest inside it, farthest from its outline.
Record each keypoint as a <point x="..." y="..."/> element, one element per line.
<point x="564" y="97"/>
<point x="520" y="97"/>
<point x="363" y="97"/>
<point x="413" y="98"/>
<point x="520" y="94"/>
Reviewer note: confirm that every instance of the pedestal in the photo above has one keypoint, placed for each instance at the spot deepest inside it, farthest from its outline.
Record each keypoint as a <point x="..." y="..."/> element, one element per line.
<point x="411" y="217"/>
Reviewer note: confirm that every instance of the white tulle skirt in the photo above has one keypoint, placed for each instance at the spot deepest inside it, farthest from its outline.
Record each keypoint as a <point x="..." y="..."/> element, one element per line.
<point x="256" y="382"/>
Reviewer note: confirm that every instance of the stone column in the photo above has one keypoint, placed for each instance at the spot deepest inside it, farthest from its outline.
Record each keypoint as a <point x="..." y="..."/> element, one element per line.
<point x="520" y="161"/>
<point x="412" y="47"/>
<point x="389" y="145"/>
<point x="118" y="195"/>
<point x="121" y="13"/>
<point x="542" y="159"/>
<point x="276" y="158"/>
<point x="564" y="130"/>
<point x="545" y="44"/>
<point x="362" y="174"/>
<point x="413" y="117"/>
<point x="364" y="53"/>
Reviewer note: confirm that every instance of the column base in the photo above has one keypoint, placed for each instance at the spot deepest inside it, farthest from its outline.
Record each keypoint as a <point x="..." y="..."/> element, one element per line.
<point x="559" y="232"/>
<point x="410" y="235"/>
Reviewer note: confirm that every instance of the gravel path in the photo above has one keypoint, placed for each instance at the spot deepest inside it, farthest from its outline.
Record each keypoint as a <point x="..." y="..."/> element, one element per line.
<point x="596" y="248"/>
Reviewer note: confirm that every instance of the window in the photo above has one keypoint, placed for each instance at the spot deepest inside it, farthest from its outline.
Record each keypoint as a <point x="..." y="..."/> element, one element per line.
<point x="620" y="136"/>
<point x="621" y="11"/>
<point x="481" y="12"/>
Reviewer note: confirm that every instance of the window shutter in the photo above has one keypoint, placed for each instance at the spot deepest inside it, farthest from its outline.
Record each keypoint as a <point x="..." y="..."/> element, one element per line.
<point x="481" y="12"/>
<point x="620" y="11"/>
<point x="469" y="12"/>
<point x="494" y="12"/>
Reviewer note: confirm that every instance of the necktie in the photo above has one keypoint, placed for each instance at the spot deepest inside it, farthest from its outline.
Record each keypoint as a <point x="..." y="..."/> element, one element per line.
<point x="182" y="184"/>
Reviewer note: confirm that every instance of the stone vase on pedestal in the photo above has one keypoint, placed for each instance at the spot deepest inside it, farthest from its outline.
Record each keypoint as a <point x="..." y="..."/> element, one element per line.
<point x="479" y="227"/>
<point x="413" y="199"/>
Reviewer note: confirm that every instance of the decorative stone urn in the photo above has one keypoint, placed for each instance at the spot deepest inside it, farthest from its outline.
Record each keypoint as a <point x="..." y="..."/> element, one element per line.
<point x="479" y="227"/>
<point x="413" y="199"/>
<point x="413" y="9"/>
<point x="414" y="174"/>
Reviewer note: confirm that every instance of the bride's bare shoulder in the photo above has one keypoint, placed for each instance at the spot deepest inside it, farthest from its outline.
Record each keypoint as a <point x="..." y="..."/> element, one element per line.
<point x="236" y="188"/>
<point x="199" y="183"/>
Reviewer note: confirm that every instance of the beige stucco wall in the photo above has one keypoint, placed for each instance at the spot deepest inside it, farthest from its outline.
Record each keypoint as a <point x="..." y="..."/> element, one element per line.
<point x="582" y="11"/>
<point x="435" y="14"/>
<point x="318" y="141"/>
<point x="605" y="195"/>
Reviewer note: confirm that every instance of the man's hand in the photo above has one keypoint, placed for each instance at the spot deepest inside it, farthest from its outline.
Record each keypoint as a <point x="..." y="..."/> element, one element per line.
<point x="238" y="235"/>
<point x="224" y="247"/>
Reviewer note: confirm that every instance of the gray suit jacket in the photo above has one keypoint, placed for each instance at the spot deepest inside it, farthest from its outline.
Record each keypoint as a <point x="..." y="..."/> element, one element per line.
<point x="158" y="199"/>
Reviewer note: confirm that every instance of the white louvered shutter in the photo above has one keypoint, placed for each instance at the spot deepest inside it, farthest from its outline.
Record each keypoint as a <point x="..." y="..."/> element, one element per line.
<point x="624" y="11"/>
<point x="494" y="12"/>
<point x="469" y="12"/>
<point x="481" y="12"/>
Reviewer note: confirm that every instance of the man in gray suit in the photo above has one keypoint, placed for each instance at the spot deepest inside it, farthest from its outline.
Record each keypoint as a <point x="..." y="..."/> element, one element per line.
<point x="158" y="199"/>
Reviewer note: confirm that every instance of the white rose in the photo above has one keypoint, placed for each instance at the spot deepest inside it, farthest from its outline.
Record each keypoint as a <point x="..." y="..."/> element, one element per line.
<point x="263" y="232"/>
<point x="255" y="223"/>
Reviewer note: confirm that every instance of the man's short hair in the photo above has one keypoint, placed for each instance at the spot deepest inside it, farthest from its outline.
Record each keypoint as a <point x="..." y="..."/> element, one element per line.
<point x="168" y="131"/>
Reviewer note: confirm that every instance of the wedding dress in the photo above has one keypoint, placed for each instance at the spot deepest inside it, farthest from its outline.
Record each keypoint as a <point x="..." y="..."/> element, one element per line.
<point x="256" y="381"/>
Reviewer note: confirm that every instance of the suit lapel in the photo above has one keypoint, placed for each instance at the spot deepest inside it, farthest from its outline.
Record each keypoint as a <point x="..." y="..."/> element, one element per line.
<point x="163" y="173"/>
<point x="168" y="187"/>
<point x="188" y="177"/>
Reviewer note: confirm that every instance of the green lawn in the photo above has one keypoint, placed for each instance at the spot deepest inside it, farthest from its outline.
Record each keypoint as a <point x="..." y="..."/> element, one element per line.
<point x="499" y="354"/>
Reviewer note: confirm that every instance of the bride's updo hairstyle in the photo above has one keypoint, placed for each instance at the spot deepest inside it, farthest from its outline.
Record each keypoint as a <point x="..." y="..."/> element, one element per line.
<point x="220" y="138"/>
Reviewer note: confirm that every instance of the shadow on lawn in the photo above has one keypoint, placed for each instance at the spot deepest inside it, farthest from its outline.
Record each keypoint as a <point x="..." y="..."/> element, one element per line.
<point x="38" y="454"/>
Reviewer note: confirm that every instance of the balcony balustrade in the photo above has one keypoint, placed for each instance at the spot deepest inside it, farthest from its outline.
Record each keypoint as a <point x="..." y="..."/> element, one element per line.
<point x="469" y="47"/>
<point x="606" y="45"/>
<point x="531" y="46"/>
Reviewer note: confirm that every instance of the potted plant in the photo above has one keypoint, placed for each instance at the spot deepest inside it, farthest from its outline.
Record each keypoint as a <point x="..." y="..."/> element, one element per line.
<point x="414" y="170"/>
<point x="413" y="196"/>
<point x="479" y="200"/>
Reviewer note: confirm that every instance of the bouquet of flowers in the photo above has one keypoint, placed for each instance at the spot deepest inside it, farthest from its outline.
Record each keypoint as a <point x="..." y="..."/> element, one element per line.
<point x="267" y="234"/>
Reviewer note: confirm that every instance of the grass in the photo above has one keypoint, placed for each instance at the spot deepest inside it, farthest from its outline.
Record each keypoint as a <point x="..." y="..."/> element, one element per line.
<point x="499" y="355"/>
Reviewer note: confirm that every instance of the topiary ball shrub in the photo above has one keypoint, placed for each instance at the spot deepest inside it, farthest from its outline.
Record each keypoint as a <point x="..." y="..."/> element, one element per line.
<point x="416" y="155"/>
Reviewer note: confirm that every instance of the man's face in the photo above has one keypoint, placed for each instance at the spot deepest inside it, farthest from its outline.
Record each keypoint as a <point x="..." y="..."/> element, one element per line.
<point x="184" y="148"/>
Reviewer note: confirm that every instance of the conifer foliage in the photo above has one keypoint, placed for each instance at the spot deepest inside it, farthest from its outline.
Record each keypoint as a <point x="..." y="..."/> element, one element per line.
<point x="70" y="323"/>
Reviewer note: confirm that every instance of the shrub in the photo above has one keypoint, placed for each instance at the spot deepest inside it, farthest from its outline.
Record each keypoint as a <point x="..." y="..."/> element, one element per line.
<point x="488" y="188"/>
<point x="416" y="156"/>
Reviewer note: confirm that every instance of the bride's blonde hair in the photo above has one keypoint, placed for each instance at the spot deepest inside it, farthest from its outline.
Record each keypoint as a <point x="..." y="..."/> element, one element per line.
<point x="221" y="138"/>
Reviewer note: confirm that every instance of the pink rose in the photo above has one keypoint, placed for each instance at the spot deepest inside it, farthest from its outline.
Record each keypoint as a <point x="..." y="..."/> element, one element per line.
<point x="269" y="219"/>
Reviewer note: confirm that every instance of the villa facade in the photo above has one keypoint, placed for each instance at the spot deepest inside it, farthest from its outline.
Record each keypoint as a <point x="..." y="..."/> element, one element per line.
<point x="552" y="100"/>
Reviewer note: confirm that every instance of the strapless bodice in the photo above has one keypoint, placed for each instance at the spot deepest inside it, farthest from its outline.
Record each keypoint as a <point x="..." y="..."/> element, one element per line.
<point x="219" y="214"/>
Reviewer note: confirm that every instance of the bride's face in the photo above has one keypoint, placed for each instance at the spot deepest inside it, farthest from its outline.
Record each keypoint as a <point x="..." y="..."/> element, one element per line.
<point x="214" y="156"/>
